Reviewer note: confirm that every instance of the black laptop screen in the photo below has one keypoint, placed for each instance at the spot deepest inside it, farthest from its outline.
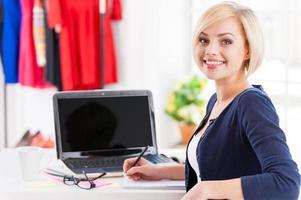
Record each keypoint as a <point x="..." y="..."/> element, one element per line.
<point x="95" y="124"/>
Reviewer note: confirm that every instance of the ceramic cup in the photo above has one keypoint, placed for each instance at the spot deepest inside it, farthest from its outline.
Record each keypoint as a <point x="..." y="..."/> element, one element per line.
<point x="30" y="159"/>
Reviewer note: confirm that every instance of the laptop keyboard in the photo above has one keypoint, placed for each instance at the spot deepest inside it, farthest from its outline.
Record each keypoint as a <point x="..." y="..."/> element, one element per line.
<point x="111" y="161"/>
<point x="92" y="163"/>
<point x="158" y="158"/>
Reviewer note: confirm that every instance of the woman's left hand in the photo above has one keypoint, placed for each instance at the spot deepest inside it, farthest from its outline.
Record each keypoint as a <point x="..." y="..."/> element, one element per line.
<point x="221" y="189"/>
<point x="195" y="193"/>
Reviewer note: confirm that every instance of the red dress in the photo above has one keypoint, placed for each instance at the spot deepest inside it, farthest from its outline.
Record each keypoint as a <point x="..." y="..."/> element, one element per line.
<point x="30" y="73"/>
<point x="80" y="42"/>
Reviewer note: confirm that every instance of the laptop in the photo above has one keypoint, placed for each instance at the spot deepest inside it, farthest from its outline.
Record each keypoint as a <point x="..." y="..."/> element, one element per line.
<point x="97" y="130"/>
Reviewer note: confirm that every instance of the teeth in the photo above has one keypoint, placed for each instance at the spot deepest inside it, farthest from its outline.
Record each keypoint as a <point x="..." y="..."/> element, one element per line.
<point x="214" y="62"/>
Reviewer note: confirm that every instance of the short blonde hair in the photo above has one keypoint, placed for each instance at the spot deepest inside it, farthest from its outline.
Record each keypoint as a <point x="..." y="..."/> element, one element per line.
<point x="249" y="23"/>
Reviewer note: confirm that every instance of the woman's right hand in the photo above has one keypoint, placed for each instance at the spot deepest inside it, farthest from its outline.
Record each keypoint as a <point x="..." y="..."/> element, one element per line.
<point x="142" y="170"/>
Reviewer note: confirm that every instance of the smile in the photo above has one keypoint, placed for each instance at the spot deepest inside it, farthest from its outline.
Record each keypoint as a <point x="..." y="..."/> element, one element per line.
<point x="213" y="64"/>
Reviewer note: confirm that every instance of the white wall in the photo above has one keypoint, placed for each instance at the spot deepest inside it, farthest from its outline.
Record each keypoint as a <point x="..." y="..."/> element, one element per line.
<point x="28" y="108"/>
<point x="2" y="114"/>
<point x="153" y="51"/>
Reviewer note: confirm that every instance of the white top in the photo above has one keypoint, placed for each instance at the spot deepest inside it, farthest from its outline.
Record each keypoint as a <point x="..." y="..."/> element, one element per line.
<point x="192" y="154"/>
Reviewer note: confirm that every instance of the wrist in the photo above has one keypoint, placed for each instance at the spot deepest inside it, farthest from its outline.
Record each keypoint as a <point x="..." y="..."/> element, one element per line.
<point x="161" y="172"/>
<point x="174" y="172"/>
<point x="203" y="189"/>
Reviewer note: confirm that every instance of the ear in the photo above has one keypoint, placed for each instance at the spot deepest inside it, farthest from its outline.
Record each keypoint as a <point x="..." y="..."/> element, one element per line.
<point x="247" y="55"/>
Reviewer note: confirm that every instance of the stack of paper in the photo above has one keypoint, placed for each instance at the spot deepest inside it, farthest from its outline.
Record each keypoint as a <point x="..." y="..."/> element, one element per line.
<point x="158" y="185"/>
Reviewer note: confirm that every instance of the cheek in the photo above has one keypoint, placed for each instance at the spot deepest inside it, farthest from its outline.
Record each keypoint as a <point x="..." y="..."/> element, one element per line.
<point x="235" y="57"/>
<point x="198" y="55"/>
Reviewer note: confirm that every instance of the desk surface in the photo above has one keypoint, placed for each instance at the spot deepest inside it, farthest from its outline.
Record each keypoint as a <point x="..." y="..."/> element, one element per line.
<point x="13" y="187"/>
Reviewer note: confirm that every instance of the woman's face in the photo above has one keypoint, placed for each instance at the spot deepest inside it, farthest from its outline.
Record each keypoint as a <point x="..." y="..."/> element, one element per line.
<point x="222" y="49"/>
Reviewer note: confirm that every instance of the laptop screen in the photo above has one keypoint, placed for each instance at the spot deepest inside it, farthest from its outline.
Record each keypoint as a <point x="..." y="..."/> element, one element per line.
<point x="103" y="121"/>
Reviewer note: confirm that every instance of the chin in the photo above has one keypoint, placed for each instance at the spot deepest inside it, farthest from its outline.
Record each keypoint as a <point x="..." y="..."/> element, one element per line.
<point x="209" y="75"/>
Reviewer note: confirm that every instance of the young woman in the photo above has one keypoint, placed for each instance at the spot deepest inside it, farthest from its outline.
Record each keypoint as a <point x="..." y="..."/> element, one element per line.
<point x="238" y="150"/>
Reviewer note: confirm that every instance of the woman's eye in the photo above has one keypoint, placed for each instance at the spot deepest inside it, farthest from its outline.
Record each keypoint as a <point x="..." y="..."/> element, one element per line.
<point x="203" y="40"/>
<point x="227" y="42"/>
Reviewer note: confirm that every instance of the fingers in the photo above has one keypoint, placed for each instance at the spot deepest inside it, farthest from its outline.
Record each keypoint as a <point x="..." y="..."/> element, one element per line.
<point x="146" y="172"/>
<point x="136" y="173"/>
<point x="135" y="170"/>
<point x="128" y="163"/>
<point x="142" y="170"/>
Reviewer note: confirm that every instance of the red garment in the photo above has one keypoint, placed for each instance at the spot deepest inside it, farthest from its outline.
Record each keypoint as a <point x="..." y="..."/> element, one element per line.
<point x="29" y="72"/>
<point x="80" y="42"/>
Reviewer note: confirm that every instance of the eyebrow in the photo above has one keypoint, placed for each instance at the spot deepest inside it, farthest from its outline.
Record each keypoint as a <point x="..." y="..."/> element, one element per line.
<point x="220" y="35"/>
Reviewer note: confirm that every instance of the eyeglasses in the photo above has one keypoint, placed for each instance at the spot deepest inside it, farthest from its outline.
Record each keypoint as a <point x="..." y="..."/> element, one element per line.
<point x="83" y="183"/>
<point x="86" y="183"/>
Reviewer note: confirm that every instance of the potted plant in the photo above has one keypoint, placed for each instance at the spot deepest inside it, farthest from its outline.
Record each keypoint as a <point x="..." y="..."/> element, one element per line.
<point x="186" y="104"/>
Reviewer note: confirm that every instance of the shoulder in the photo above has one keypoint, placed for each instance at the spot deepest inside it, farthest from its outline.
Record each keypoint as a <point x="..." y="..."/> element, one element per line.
<point x="255" y="102"/>
<point x="254" y="97"/>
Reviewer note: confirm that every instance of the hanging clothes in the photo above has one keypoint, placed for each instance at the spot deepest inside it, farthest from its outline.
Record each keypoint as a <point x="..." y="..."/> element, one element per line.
<point x="39" y="32"/>
<point x="1" y="23"/>
<point x="116" y="12"/>
<point x="30" y="74"/>
<point x="10" y="39"/>
<point x="52" y="68"/>
<point x="79" y="23"/>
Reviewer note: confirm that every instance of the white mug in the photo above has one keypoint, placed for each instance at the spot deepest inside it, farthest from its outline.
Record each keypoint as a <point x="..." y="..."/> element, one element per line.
<point x="30" y="159"/>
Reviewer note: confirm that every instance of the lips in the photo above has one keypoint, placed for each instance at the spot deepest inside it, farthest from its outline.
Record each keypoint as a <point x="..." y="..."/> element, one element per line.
<point x="213" y="63"/>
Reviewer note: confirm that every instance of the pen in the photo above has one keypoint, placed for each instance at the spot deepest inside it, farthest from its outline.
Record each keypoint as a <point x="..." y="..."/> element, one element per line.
<point x="54" y="174"/>
<point x="139" y="157"/>
<point x="55" y="171"/>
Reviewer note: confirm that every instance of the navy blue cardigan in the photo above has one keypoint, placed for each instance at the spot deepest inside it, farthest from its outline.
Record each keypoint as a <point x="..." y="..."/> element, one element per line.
<point x="245" y="141"/>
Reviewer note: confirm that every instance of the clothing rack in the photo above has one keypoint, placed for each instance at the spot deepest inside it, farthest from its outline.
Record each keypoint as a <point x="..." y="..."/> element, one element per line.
<point x="102" y="10"/>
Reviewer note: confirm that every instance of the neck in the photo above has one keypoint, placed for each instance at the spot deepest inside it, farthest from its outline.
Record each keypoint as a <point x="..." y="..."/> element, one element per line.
<point x="226" y="92"/>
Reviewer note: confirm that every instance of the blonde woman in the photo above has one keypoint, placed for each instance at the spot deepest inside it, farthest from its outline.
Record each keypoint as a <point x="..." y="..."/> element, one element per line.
<point x="238" y="150"/>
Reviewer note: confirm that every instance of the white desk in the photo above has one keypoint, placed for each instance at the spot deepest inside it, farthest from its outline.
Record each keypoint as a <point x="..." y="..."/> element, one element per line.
<point x="13" y="187"/>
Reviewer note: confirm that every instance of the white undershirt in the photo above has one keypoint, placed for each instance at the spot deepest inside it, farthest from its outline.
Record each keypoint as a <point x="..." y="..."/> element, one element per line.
<point x="192" y="154"/>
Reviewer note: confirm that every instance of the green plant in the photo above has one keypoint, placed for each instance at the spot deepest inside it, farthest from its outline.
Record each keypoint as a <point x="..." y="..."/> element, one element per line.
<point x="186" y="102"/>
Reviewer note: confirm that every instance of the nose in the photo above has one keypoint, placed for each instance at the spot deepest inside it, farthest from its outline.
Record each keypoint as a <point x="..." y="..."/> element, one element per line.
<point x="212" y="49"/>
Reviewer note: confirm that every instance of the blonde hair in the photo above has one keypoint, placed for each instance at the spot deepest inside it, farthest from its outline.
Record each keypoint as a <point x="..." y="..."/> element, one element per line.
<point x="249" y="23"/>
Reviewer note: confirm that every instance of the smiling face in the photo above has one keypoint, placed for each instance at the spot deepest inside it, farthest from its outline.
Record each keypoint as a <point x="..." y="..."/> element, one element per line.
<point x="221" y="50"/>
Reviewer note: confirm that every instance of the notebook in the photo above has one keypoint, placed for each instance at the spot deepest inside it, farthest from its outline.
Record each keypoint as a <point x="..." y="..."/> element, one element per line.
<point x="97" y="130"/>
<point x="154" y="185"/>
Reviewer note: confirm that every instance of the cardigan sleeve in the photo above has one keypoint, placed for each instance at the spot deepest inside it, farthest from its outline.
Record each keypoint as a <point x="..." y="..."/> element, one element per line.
<point x="279" y="178"/>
